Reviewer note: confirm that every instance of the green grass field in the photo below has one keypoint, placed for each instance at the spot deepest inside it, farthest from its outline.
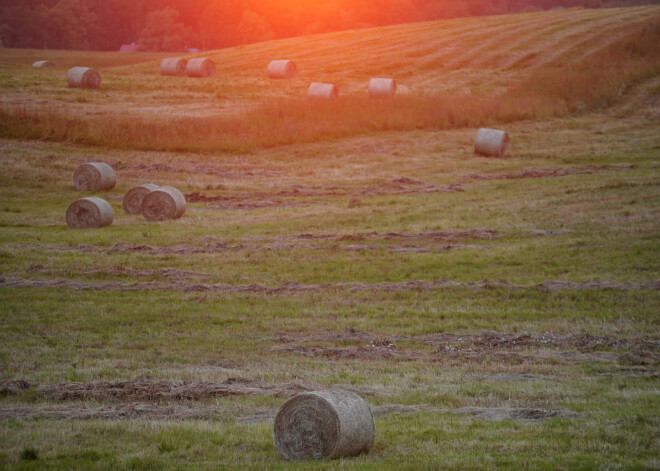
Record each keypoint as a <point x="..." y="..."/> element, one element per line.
<point x="496" y="313"/>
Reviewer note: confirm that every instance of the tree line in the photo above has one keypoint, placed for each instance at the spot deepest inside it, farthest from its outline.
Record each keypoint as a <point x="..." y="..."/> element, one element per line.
<point x="172" y="25"/>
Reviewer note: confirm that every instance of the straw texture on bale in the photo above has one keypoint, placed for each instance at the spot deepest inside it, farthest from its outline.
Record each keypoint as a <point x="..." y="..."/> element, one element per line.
<point x="491" y="142"/>
<point x="133" y="198"/>
<point x="43" y="64"/>
<point x="282" y="69"/>
<point x="200" y="67"/>
<point x="89" y="213"/>
<point x="94" y="176"/>
<point x="324" y="424"/>
<point x="83" y="77"/>
<point x="382" y="87"/>
<point x="173" y="66"/>
<point x="163" y="203"/>
<point x="322" y="90"/>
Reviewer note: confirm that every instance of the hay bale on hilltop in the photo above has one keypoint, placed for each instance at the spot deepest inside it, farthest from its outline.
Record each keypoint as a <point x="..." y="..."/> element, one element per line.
<point x="94" y="176"/>
<point x="43" y="64"/>
<point x="491" y="142"/>
<point x="200" y="67"/>
<point x="382" y="87"/>
<point x="281" y="69"/>
<point x="324" y="424"/>
<point x="89" y="213"/>
<point x="173" y="66"/>
<point x="83" y="77"/>
<point x="163" y="203"/>
<point x="132" y="201"/>
<point x="322" y="90"/>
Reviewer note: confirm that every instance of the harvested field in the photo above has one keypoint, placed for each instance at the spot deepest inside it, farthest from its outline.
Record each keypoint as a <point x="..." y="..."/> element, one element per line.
<point x="495" y="313"/>
<point x="137" y="390"/>
<point x="533" y="415"/>
<point x="150" y="411"/>
<point x="541" y="172"/>
<point x="294" y="286"/>
<point x="489" y="346"/>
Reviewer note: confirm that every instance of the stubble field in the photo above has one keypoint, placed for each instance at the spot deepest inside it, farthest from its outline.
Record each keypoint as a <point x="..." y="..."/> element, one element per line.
<point x="496" y="313"/>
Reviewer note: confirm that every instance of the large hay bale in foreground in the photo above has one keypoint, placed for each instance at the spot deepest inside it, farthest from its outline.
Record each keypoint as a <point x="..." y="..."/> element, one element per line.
<point x="173" y="66"/>
<point x="322" y="90"/>
<point x="491" y="142"/>
<point x="382" y="87"/>
<point x="200" y="67"/>
<point x="163" y="203"/>
<point x="43" y="64"/>
<point x="94" y="176"/>
<point x="89" y="213"/>
<point x="324" y="424"/>
<point x="282" y="69"/>
<point x="83" y="77"/>
<point x="132" y="202"/>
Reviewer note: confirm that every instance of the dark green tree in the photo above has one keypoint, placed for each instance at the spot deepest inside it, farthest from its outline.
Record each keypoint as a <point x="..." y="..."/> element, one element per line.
<point x="164" y="32"/>
<point x="67" y="25"/>
<point x="253" y="28"/>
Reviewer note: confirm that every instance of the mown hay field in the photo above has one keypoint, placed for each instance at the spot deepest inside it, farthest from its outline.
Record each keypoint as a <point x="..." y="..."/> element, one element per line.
<point x="496" y="313"/>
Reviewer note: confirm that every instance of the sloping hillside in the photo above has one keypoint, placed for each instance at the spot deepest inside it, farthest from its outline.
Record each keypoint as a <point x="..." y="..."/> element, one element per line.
<point x="483" y="54"/>
<point x="501" y="68"/>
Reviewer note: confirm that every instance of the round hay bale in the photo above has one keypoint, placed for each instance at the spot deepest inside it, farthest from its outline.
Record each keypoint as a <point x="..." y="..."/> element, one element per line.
<point x="322" y="90"/>
<point x="324" y="424"/>
<point x="43" y="64"/>
<point x="200" y="67"/>
<point x="491" y="142"/>
<point x="382" y="87"/>
<point x="89" y="213"/>
<point x="173" y="66"/>
<point x="282" y="69"/>
<point x="163" y="203"/>
<point x="133" y="198"/>
<point x="94" y="176"/>
<point x="83" y="77"/>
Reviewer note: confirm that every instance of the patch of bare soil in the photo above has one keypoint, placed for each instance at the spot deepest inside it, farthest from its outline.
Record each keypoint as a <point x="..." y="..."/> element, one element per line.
<point x="399" y="186"/>
<point x="446" y="236"/>
<point x="433" y="241"/>
<point x="229" y="174"/>
<point x="487" y="346"/>
<point x="212" y="245"/>
<point x="524" y="357"/>
<point x="249" y="415"/>
<point x="244" y="202"/>
<point x="543" y="172"/>
<point x="449" y="353"/>
<point x="142" y="389"/>
<point x="166" y="400"/>
<point x="408" y="248"/>
<point x="297" y="287"/>
<point x="13" y="387"/>
<point x="498" y="414"/>
<point x="117" y="270"/>
<point x="219" y="247"/>
<point x="110" y="412"/>
<point x="581" y="342"/>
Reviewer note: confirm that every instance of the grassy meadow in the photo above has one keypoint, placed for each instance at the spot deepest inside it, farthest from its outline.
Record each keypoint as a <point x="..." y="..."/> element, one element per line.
<point x="496" y="313"/>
